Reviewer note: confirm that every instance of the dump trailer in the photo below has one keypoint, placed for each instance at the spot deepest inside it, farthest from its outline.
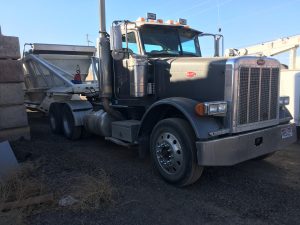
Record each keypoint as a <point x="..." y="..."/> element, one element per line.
<point x="157" y="92"/>
<point x="55" y="72"/>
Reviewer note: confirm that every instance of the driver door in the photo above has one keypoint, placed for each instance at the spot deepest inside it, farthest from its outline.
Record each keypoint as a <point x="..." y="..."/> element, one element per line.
<point x="122" y="76"/>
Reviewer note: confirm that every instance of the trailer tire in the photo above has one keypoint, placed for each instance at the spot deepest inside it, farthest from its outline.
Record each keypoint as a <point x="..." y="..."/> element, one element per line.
<point x="71" y="131"/>
<point x="173" y="150"/>
<point x="55" y="119"/>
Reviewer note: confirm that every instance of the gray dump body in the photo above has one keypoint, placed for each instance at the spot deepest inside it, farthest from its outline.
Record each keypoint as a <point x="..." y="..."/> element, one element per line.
<point x="50" y="70"/>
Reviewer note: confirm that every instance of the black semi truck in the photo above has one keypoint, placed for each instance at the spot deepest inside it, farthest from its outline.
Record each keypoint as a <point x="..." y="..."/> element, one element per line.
<point x="186" y="111"/>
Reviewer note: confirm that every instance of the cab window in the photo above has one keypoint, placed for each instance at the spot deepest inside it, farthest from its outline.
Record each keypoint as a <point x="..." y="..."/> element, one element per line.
<point x="132" y="44"/>
<point x="188" y="46"/>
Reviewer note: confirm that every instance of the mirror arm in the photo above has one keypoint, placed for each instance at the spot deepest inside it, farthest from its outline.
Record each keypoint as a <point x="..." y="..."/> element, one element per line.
<point x="126" y="36"/>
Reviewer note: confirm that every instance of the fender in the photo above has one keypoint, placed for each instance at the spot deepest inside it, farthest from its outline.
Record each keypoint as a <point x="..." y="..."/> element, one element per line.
<point x="284" y="115"/>
<point x="202" y="126"/>
<point x="79" y="109"/>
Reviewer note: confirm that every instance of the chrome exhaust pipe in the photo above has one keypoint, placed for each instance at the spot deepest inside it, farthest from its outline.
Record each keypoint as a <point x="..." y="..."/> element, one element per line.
<point x="105" y="73"/>
<point x="105" y="76"/>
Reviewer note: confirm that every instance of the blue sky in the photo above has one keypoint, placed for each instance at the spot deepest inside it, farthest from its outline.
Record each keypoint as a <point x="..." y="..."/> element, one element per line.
<point x="243" y="22"/>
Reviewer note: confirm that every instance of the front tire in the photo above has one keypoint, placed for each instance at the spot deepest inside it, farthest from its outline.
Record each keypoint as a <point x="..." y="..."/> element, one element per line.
<point x="172" y="145"/>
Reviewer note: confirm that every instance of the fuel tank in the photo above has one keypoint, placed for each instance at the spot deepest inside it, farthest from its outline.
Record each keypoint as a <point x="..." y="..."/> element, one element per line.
<point x="197" y="78"/>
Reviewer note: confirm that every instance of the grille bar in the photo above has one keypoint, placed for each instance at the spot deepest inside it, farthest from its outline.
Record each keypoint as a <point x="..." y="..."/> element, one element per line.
<point x="258" y="94"/>
<point x="274" y="93"/>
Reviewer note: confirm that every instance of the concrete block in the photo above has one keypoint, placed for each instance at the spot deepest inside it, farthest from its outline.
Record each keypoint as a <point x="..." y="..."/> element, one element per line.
<point x="11" y="71"/>
<point x="11" y="94"/>
<point x="9" y="47"/>
<point x="15" y="134"/>
<point x="13" y="116"/>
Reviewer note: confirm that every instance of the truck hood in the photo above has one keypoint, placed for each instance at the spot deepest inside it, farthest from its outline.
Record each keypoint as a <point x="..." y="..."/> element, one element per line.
<point x="193" y="68"/>
<point x="191" y="77"/>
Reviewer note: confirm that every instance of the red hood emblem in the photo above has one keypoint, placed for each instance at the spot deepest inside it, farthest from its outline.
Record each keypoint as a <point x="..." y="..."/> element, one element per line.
<point x="190" y="74"/>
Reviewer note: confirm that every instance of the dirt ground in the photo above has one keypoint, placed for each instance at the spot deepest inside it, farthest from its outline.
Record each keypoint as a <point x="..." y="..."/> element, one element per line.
<point x="254" y="192"/>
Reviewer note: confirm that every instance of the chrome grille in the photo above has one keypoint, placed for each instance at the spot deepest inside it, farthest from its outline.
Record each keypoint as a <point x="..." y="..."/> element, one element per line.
<point x="258" y="94"/>
<point x="254" y="95"/>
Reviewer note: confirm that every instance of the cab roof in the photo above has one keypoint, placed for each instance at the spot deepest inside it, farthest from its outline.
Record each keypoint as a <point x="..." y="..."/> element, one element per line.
<point x="141" y="24"/>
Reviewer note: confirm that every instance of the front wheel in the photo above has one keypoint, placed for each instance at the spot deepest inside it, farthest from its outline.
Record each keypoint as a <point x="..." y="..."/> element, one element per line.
<point x="173" y="150"/>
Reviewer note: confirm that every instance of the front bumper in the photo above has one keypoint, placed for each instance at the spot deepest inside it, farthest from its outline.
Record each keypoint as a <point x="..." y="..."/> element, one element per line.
<point x="235" y="149"/>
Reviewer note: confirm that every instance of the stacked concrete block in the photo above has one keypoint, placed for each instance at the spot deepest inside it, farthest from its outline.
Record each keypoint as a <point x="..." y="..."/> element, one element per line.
<point x="13" y="116"/>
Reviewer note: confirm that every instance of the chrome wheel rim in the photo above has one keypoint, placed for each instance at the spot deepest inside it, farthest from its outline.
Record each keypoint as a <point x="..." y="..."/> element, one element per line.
<point x="169" y="153"/>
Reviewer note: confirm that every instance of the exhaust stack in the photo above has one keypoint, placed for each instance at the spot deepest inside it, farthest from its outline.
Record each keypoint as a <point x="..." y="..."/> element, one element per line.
<point x="105" y="77"/>
<point x="102" y="16"/>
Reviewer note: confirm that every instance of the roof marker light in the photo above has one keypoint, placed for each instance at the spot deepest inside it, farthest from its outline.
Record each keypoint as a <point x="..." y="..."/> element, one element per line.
<point x="170" y="22"/>
<point x="140" y="19"/>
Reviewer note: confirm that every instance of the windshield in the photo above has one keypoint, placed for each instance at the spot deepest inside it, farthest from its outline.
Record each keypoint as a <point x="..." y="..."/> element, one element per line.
<point x="170" y="42"/>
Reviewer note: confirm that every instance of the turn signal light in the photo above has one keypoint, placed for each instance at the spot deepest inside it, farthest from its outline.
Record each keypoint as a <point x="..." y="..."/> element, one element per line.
<point x="200" y="109"/>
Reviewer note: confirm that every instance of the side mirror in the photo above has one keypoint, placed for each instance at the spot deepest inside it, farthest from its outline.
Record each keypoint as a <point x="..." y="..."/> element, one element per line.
<point x="218" y="41"/>
<point x="116" y="42"/>
<point x="218" y="44"/>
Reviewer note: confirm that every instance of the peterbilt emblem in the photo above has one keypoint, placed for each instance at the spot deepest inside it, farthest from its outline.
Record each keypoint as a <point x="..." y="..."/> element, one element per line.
<point x="190" y="74"/>
<point x="260" y="62"/>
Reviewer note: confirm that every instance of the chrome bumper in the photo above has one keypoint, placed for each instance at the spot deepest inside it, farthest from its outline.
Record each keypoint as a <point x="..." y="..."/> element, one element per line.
<point x="235" y="149"/>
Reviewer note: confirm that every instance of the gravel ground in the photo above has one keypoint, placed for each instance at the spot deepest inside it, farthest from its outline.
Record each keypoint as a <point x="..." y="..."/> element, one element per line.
<point x="254" y="192"/>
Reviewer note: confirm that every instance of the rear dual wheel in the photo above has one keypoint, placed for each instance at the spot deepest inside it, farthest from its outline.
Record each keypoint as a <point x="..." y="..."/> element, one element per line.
<point x="173" y="151"/>
<point x="55" y="118"/>
<point x="62" y="121"/>
<point x="71" y="131"/>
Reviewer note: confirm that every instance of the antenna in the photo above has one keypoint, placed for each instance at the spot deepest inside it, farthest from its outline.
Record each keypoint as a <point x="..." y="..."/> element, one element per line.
<point x="88" y="40"/>
<point x="218" y="23"/>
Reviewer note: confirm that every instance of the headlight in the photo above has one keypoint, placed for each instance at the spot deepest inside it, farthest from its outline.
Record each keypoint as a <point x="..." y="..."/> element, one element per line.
<point x="284" y="100"/>
<point x="211" y="109"/>
<point x="222" y="108"/>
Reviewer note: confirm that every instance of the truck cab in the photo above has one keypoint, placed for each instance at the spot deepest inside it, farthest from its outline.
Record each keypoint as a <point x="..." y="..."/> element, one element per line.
<point x="168" y="59"/>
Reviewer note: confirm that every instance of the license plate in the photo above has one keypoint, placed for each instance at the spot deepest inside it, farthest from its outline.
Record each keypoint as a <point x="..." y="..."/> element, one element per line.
<point x="286" y="132"/>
